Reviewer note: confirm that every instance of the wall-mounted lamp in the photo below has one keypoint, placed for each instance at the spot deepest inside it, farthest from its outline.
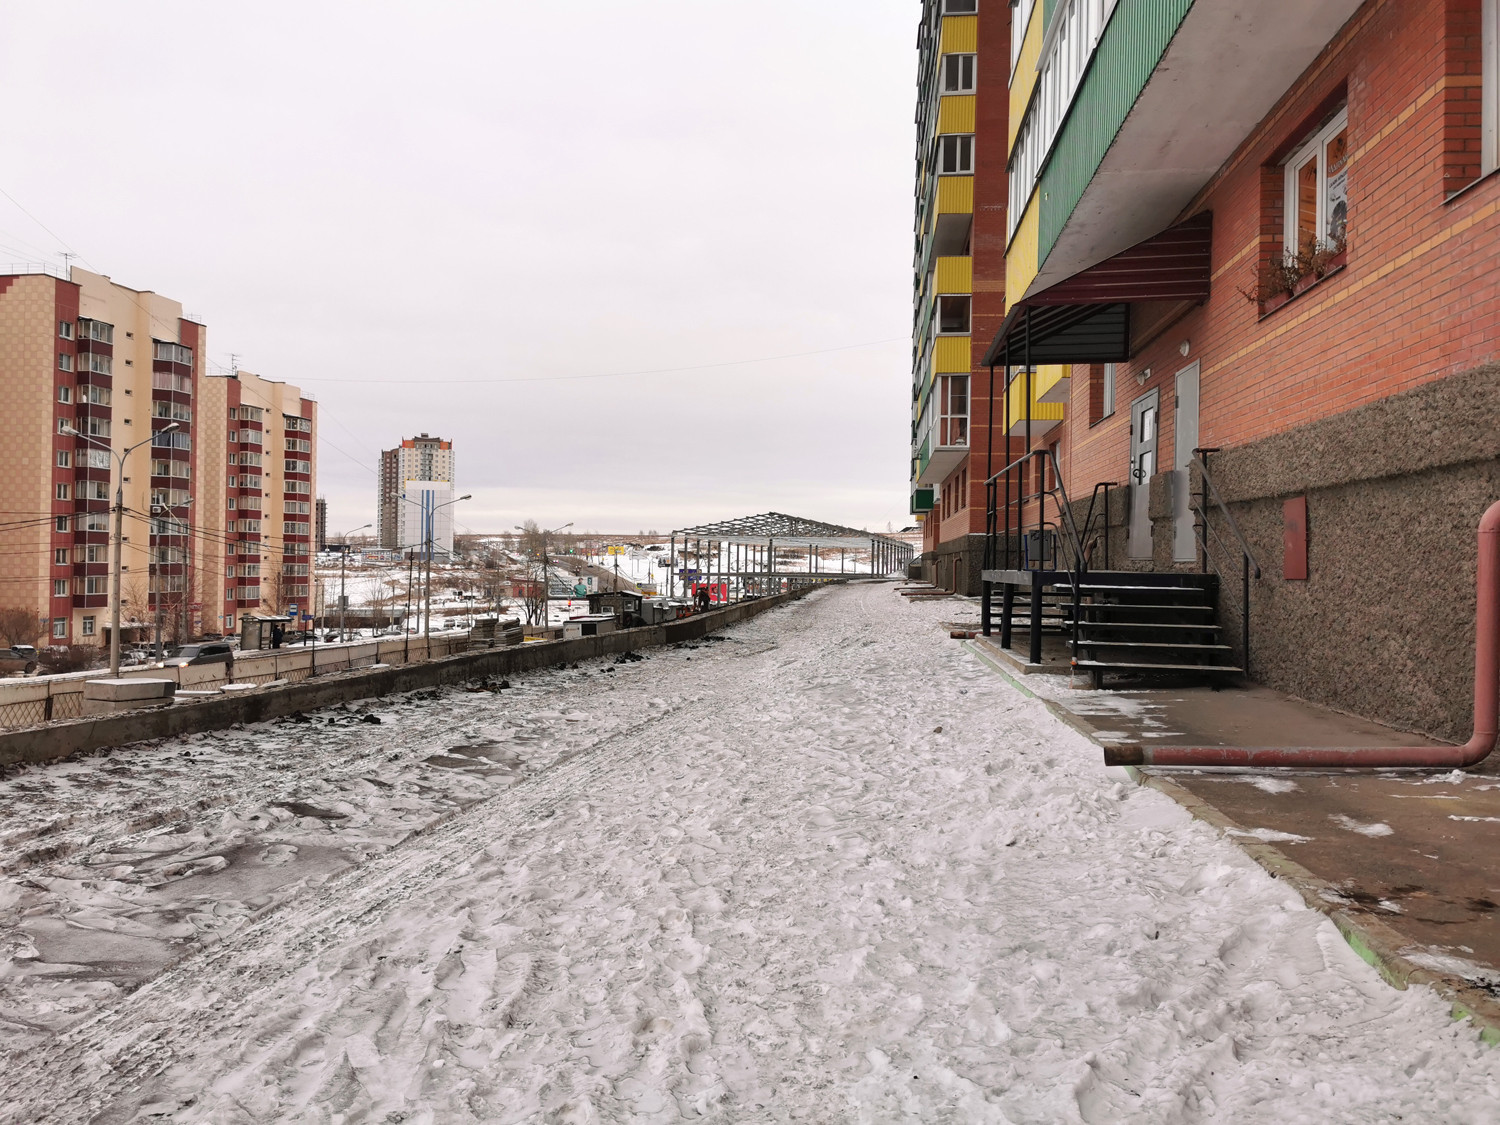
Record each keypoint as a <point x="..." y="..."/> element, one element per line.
<point x="1183" y="348"/>
<point x="1142" y="375"/>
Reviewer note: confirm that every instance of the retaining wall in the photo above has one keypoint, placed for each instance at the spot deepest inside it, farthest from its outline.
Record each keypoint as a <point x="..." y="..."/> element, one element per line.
<point x="26" y="703"/>
<point x="308" y="693"/>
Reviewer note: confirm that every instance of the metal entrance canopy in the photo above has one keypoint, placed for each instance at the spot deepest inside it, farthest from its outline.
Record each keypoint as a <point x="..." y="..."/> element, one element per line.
<point x="775" y="525"/>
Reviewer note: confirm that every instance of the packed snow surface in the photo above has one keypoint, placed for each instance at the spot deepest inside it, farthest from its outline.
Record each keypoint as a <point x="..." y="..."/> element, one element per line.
<point x="827" y="868"/>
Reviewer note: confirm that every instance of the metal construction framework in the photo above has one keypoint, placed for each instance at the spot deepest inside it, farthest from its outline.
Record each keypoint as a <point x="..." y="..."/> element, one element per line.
<point x="742" y="554"/>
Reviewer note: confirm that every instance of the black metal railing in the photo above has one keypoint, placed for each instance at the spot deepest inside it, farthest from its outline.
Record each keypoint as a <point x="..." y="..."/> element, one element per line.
<point x="1088" y="521"/>
<point x="1035" y="468"/>
<point x="1207" y="531"/>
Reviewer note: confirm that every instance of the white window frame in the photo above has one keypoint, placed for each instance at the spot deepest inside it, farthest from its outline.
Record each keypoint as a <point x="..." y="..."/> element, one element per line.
<point x="961" y="88"/>
<point x="64" y="361"/>
<point x="1107" y="392"/>
<point x="1490" y="118"/>
<point x="88" y="626"/>
<point x="962" y="150"/>
<point x="59" y="587"/>
<point x="1313" y="148"/>
<point x="64" y="393"/>
<point x="937" y="318"/>
<point x="59" y="628"/>
<point x="65" y="329"/>
<point x="1020" y="20"/>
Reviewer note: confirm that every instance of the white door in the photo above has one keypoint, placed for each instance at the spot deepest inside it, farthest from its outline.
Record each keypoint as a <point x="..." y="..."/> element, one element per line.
<point x="1144" y="413"/>
<point x="1185" y="430"/>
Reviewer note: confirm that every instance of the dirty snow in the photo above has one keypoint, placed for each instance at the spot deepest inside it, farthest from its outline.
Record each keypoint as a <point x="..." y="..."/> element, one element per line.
<point x="828" y="868"/>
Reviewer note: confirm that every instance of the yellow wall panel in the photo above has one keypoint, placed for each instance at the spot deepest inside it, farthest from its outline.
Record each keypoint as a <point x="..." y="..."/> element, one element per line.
<point x="1015" y="404"/>
<point x="950" y="356"/>
<point x="1047" y="378"/>
<point x="954" y="275"/>
<point x="956" y="114"/>
<point x="955" y="196"/>
<point x="1023" y="78"/>
<point x="960" y="35"/>
<point x="1021" y="257"/>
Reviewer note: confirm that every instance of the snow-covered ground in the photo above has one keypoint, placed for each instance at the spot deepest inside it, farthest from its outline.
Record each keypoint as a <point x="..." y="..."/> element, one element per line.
<point x="827" y="868"/>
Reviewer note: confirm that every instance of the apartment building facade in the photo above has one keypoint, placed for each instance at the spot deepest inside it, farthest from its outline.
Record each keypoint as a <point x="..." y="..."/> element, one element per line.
<point x="416" y="479"/>
<point x="958" y="275"/>
<point x="93" y="369"/>
<point x="260" y="477"/>
<point x="1257" y="238"/>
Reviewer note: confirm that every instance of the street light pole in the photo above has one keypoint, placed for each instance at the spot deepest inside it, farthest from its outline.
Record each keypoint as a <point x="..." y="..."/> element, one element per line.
<point x="431" y="531"/>
<point x="343" y="563"/>
<point x="114" y="614"/>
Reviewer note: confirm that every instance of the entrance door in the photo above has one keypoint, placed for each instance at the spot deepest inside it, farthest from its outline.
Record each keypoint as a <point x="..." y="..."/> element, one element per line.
<point x="1185" y="440"/>
<point x="1144" y="415"/>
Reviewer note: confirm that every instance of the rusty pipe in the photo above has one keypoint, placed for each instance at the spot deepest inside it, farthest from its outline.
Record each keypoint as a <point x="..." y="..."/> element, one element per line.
<point x="1486" y="705"/>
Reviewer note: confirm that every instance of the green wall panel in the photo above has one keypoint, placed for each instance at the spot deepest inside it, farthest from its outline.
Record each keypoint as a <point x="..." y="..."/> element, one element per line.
<point x="1133" y="44"/>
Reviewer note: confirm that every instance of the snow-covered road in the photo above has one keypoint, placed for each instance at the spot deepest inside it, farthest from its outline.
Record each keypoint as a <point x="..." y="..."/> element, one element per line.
<point x="829" y="868"/>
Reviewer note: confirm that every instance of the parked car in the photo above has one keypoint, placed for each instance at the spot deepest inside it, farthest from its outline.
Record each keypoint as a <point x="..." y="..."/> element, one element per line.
<point x="209" y="652"/>
<point x="17" y="659"/>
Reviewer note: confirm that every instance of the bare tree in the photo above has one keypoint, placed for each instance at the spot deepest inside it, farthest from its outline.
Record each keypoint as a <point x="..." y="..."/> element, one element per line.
<point x="21" y="626"/>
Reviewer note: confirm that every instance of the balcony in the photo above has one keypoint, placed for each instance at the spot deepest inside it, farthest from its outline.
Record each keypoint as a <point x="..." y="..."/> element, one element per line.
<point x="945" y="428"/>
<point x="1121" y="148"/>
<point x="1045" y="414"/>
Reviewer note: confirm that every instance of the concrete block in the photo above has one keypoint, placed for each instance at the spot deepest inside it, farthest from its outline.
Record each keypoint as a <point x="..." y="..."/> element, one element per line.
<point x="117" y="691"/>
<point x="238" y="689"/>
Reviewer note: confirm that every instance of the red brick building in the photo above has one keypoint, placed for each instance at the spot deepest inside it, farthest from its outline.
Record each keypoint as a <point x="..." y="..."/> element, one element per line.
<point x="1268" y="231"/>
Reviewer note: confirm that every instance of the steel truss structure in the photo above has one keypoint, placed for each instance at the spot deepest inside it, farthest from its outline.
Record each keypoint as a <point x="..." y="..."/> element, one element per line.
<point x="771" y="552"/>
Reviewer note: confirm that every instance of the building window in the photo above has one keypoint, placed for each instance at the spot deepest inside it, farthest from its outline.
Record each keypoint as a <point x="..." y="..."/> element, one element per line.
<point x="1490" y="113"/>
<point x="1105" y="406"/>
<point x="95" y="459"/>
<point x="100" y="396"/>
<point x="958" y="74"/>
<point x="956" y="154"/>
<point x="64" y="361"/>
<point x="960" y="7"/>
<point x="98" y="427"/>
<point x="62" y="492"/>
<point x="65" y="329"/>
<point x="62" y="523"/>
<point x="1317" y="191"/>
<point x="99" y="585"/>
<point x="59" y="627"/>
<point x="88" y="626"/>
<point x="60" y="556"/>
<point x="953" y="315"/>
<point x="64" y="394"/>
<point x="59" y="587"/>
<point x="96" y="554"/>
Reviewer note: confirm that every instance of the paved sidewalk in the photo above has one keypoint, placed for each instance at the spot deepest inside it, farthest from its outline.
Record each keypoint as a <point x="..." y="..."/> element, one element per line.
<point x="1404" y="861"/>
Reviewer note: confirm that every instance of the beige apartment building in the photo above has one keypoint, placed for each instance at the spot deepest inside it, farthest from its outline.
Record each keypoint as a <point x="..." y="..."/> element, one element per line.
<point x="96" y="375"/>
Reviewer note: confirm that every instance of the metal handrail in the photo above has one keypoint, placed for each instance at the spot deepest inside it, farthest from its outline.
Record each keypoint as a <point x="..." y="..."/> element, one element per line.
<point x="1213" y="491"/>
<point x="1248" y="561"/>
<point x="1060" y="491"/>
<point x="1088" y="520"/>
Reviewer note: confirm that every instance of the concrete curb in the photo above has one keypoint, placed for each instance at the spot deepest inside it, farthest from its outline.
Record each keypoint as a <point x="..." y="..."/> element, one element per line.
<point x="1377" y="943"/>
<point x="59" y="740"/>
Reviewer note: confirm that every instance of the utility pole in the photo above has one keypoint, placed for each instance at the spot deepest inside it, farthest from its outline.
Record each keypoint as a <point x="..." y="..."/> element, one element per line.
<point x="119" y="536"/>
<point x="343" y="564"/>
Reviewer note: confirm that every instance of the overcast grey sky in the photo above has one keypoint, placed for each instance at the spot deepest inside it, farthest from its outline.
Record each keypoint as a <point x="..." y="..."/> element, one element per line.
<point x="409" y="208"/>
